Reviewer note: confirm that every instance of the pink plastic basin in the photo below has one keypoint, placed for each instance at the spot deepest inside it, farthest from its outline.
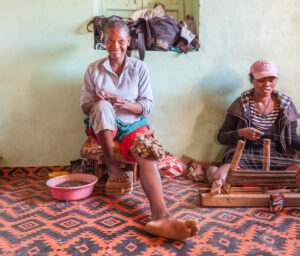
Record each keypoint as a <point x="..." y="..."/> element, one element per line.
<point x="72" y="193"/>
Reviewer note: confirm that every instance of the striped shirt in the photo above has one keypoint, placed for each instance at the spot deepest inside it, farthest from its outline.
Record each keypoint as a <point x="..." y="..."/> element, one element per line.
<point x="260" y="121"/>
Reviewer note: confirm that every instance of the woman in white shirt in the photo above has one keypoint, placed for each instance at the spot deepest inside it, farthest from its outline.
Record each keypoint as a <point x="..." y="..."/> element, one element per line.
<point x="117" y="92"/>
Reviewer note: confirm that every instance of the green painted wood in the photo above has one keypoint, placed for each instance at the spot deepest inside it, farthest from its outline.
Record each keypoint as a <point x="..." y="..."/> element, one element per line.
<point x="174" y="8"/>
<point x="124" y="8"/>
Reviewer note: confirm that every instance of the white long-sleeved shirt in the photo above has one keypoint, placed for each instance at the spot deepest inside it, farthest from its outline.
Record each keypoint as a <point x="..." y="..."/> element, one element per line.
<point x="133" y="84"/>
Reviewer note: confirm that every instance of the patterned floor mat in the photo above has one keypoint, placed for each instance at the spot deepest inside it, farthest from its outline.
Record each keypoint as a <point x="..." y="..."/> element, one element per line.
<point x="33" y="223"/>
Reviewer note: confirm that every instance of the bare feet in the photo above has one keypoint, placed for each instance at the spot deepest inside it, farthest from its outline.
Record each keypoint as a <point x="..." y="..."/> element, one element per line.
<point x="214" y="173"/>
<point x="116" y="174"/>
<point x="173" y="229"/>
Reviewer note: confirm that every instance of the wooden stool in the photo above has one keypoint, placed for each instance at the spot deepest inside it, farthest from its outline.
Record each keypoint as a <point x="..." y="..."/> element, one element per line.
<point x="93" y="152"/>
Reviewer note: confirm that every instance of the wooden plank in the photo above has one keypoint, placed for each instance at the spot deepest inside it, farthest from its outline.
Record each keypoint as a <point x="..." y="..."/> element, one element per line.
<point x="263" y="182"/>
<point x="246" y="200"/>
<point x="258" y="190"/>
<point x="245" y="189"/>
<point x="268" y="173"/>
<point x="262" y="178"/>
<point x="204" y="187"/>
<point x="204" y="190"/>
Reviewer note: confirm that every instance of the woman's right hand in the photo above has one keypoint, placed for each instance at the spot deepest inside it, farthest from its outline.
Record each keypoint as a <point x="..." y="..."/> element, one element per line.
<point x="101" y="95"/>
<point x="250" y="133"/>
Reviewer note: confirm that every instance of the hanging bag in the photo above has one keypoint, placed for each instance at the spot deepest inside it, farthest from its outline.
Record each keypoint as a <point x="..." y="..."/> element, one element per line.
<point x="139" y="31"/>
<point x="165" y="32"/>
<point x="158" y="34"/>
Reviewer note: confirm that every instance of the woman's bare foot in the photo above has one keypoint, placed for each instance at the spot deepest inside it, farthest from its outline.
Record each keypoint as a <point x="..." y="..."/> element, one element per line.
<point x="116" y="174"/>
<point x="173" y="229"/>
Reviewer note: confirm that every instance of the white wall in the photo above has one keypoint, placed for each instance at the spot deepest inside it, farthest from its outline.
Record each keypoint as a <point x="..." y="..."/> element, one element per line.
<point x="44" y="52"/>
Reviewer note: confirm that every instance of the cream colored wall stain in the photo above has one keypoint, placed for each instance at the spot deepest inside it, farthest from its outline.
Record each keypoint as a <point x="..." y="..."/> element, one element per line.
<point x="44" y="53"/>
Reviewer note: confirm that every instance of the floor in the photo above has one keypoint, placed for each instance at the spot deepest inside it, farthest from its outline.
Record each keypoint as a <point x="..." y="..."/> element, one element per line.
<point x="33" y="223"/>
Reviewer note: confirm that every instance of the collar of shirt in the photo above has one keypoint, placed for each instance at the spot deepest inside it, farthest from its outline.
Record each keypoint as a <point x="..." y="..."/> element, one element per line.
<point x="283" y="100"/>
<point x="106" y="65"/>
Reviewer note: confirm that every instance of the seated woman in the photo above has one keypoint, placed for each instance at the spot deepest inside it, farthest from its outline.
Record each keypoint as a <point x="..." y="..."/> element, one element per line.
<point x="117" y="93"/>
<point x="260" y="113"/>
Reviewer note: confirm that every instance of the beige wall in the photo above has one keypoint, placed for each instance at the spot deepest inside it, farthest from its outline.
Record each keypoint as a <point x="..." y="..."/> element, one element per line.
<point x="44" y="52"/>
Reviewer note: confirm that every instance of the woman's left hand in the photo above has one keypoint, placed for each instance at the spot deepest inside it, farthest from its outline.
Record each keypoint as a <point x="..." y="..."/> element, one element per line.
<point x="119" y="103"/>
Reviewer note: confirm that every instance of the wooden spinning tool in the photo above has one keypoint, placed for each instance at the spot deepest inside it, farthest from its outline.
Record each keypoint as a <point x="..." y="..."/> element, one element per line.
<point x="235" y="195"/>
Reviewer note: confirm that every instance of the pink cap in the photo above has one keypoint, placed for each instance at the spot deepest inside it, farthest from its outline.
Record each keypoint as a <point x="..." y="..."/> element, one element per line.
<point x="263" y="68"/>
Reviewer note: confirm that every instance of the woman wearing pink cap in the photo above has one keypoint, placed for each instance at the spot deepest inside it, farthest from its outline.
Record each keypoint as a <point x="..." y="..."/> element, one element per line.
<point x="259" y="113"/>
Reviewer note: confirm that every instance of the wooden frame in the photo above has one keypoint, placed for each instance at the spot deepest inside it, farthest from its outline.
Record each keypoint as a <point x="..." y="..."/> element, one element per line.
<point x="235" y="195"/>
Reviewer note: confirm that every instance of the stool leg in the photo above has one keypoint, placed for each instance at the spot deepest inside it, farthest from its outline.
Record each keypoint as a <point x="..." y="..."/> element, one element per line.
<point x="134" y="172"/>
<point x="90" y="164"/>
<point x="95" y="167"/>
<point x="97" y="170"/>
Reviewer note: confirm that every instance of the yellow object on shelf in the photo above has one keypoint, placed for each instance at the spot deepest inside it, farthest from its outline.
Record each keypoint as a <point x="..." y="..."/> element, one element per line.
<point x="54" y="174"/>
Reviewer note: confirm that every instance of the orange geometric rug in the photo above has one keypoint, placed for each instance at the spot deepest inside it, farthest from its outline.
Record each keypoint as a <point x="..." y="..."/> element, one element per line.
<point x="33" y="223"/>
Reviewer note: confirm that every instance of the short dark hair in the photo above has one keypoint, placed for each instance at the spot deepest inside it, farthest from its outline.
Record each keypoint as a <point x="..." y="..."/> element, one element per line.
<point x="251" y="77"/>
<point x="117" y="24"/>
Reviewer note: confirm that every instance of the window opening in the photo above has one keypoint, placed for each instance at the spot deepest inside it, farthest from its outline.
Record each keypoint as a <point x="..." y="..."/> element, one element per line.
<point x="185" y="11"/>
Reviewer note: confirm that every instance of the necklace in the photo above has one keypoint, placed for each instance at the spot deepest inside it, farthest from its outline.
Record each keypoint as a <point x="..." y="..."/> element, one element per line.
<point x="264" y="115"/>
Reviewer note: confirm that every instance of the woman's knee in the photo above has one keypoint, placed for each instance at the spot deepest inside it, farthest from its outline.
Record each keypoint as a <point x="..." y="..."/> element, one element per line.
<point x="144" y="161"/>
<point x="102" y="116"/>
<point x="293" y="167"/>
<point x="103" y="106"/>
<point x="138" y="158"/>
<point x="214" y="173"/>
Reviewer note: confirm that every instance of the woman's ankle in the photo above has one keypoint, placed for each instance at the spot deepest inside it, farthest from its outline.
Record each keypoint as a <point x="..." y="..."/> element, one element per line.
<point x="161" y="215"/>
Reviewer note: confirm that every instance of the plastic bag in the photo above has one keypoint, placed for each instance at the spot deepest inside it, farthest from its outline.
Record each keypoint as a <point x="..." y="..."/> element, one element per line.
<point x="170" y="167"/>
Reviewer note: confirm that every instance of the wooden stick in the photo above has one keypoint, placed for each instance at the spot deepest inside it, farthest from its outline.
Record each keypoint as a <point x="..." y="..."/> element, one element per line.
<point x="234" y="164"/>
<point x="237" y="155"/>
<point x="266" y="160"/>
<point x="266" y="156"/>
<point x="135" y="170"/>
<point x="97" y="171"/>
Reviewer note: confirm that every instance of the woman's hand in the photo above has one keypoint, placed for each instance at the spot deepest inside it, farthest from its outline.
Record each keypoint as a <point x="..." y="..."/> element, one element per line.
<point x="101" y="95"/>
<point x="250" y="133"/>
<point x="119" y="102"/>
